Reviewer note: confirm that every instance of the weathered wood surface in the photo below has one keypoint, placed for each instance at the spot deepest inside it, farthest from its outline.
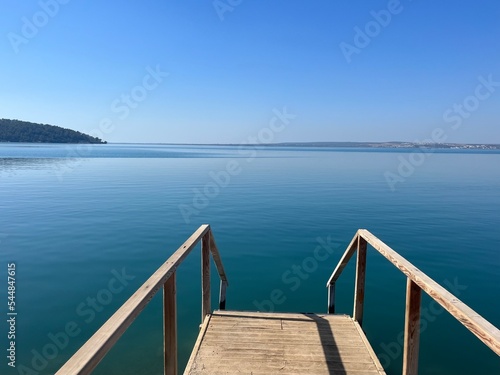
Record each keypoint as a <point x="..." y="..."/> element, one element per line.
<point x="412" y="328"/>
<point x="170" y="326"/>
<point x="359" y="288"/>
<point x="222" y="273"/>
<point x="484" y="330"/>
<point x="269" y="343"/>
<point x="205" y="276"/>
<point x="343" y="261"/>
<point x="199" y="340"/>
<point x="217" y="259"/>
<point x="92" y="352"/>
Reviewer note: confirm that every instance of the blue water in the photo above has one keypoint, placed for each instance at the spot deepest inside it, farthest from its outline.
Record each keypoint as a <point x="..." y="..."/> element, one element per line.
<point x="72" y="218"/>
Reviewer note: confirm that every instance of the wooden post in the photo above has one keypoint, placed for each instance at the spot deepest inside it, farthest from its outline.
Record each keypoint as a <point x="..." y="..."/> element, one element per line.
<point x="222" y="295"/>
<point x="359" y="291"/>
<point x="170" y="326"/>
<point x="412" y="328"/>
<point x="331" y="298"/>
<point x="205" y="276"/>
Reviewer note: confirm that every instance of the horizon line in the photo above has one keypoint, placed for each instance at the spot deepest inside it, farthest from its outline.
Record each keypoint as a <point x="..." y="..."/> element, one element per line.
<point x="309" y="143"/>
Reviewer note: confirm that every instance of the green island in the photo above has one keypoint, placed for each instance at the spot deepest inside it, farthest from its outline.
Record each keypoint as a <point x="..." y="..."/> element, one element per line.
<point x="29" y="132"/>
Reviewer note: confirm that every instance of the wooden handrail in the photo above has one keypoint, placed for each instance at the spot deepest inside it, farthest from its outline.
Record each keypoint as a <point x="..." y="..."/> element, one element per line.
<point x="417" y="281"/>
<point x="94" y="350"/>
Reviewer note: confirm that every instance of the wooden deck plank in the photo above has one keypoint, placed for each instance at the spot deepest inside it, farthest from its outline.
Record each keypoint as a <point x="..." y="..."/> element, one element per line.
<point x="239" y="342"/>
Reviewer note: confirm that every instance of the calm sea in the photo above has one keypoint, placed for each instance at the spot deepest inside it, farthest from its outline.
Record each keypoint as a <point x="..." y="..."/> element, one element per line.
<point x="87" y="225"/>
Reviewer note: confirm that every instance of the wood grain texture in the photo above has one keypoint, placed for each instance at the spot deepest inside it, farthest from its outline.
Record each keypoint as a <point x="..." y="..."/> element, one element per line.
<point x="217" y="259"/>
<point x="270" y="343"/>
<point x="343" y="261"/>
<point x="92" y="352"/>
<point x="170" y="326"/>
<point x="369" y="347"/>
<point x="484" y="330"/>
<point x="265" y="343"/>
<point x="199" y="340"/>
<point x="412" y="329"/>
<point x="359" y="288"/>
<point x="205" y="276"/>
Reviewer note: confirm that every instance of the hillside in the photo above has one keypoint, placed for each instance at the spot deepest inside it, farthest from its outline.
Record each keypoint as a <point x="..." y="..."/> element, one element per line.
<point x="23" y="131"/>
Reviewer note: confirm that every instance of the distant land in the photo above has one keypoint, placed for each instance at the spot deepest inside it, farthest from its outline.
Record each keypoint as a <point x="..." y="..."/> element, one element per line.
<point x="23" y="131"/>
<point x="475" y="146"/>
<point x="29" y="132"/>
<point x="391" y="144"/>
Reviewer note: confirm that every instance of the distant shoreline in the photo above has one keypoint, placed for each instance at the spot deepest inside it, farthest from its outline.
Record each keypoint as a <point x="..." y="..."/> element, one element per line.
<point x="404" y="145"/>
<point x="17" y="131"/>
<point x="375" y="145"/>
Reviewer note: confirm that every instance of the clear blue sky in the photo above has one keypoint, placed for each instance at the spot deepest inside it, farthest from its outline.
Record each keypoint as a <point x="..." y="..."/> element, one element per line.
<point x="225" y="77"/>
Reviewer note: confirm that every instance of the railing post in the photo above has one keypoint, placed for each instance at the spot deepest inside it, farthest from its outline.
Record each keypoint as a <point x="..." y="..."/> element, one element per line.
<point x="331" y="298"/>
<point x="222" y="295"/>
<point x="170" y="326"/>
<point x="205" y="276"/>
<point x="359" y="291"/>
<point x="412" y="328"/>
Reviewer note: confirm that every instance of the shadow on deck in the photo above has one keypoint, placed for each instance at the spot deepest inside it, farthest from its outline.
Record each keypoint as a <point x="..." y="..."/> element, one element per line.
<point x="233" y="342"/>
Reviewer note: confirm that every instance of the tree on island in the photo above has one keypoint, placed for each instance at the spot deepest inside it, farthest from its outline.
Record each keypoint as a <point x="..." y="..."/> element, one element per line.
<point x="23" y="131"/>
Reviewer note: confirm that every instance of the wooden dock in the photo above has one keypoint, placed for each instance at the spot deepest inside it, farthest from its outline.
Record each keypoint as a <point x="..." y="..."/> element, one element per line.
<point x="234" y="342"/>
<point x="254" y="343"/>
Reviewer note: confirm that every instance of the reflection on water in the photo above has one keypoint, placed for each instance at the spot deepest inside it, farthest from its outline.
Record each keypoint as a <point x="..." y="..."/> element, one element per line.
<point x="121" y="210"/>
<point x="77" y="151"/>
<point x="12" y="166"/>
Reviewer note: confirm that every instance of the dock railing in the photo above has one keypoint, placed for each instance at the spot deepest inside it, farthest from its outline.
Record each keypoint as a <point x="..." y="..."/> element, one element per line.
<point x="416" y="282"/>
<point x="94" y="350"/>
